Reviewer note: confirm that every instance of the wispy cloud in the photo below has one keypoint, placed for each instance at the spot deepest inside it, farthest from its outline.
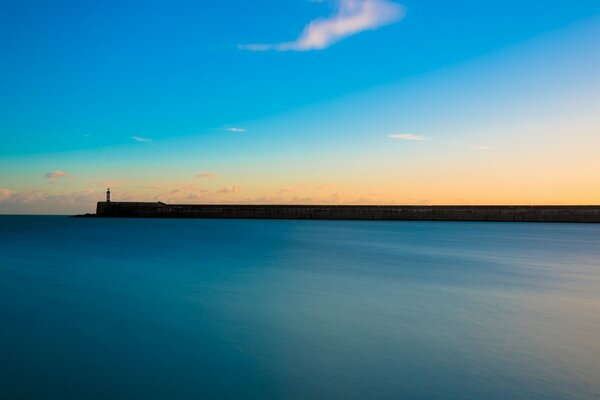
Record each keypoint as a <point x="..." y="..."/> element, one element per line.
<point x="339" y="197"/>
<point x="229" y="190"/>
<point x="36" y="196"/>
<point x="140" y="139"/>
<point x="56" y="174"/>
<point x="482" y="147"/>
<point x="326" y="186"/>
<point x="187" y="193"/>
<point x="351" y="17"/>
<point x="408" y="136"/>
<point x="206" y="175"/>
<point x="195" y="194"/>
<point x="5" y="193"/>
<point x="236" y="130"/>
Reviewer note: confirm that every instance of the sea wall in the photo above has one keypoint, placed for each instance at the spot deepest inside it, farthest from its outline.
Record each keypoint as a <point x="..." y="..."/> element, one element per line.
<point x="588" y="214"/>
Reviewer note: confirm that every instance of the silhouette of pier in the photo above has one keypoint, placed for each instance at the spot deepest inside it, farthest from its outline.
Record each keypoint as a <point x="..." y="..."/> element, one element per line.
<point x="490" y="213"/>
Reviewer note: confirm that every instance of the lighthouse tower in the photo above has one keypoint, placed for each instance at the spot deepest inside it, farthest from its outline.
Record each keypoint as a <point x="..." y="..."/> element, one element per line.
<point x="108" y="195"/>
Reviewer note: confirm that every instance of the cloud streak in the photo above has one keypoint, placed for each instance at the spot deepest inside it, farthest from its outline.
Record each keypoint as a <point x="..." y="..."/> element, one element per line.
<point x="194" y="194"/>
<point x="408" y="136"/>
<point x="140" y="139"/>
<point x="206" y="175"/>
<point x="236" y="130"/>
<point x="351" y="17"/>
<point x="56" y="175"/>
<point x="229" y="190"/>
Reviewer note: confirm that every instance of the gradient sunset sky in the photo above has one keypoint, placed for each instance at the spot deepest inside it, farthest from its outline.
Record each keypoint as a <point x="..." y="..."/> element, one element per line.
<point x="298" y="101"/>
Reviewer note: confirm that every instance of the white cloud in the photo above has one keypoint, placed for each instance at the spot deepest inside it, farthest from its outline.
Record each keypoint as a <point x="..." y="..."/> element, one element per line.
<point x="350" y="18"/>
<point x="482" y="147"/>
<point x="56" y="174"/>
<point x="236" y="130"/>
<point x="140" y="139"/>
<point x="206" y="175"/>
<point x="408" y="136"/>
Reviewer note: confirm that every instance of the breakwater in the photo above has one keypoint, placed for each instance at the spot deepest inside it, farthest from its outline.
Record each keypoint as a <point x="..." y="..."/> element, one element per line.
<point x="583" y="214"/>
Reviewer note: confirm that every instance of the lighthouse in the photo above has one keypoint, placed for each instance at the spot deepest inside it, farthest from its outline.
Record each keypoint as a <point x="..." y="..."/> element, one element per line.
<point x="108" y="195"/>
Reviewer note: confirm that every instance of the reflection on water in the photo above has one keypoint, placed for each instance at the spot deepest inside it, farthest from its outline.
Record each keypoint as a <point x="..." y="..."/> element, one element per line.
<point x="298" y="309"/>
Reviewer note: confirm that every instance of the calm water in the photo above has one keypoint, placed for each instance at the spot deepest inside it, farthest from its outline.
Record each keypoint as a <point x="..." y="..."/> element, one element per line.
<point x="298" y="309"/>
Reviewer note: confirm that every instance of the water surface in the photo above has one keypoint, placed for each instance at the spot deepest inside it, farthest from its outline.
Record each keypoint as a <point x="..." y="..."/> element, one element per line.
<point x="117" y="308"/>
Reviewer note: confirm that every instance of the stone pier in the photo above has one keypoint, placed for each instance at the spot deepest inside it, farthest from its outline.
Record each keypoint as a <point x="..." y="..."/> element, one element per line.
<point x="583" y="214"/>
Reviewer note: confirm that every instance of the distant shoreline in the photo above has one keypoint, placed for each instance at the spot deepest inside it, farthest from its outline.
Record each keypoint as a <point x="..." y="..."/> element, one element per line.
<point x="491" y="213"/>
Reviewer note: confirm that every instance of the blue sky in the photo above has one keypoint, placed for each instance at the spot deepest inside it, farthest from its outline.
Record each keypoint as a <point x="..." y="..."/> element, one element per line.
<point x="125" y="90"/>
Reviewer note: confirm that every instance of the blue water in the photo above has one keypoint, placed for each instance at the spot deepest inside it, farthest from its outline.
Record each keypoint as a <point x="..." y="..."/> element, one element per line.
<point x="168" y="309"/>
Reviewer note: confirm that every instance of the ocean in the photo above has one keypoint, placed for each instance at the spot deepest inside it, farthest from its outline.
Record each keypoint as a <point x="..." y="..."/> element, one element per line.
<point x="279" y="309"/>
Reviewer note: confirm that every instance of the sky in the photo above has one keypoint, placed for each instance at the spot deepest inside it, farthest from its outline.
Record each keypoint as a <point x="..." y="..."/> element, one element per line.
<point x="298" y="102"/>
